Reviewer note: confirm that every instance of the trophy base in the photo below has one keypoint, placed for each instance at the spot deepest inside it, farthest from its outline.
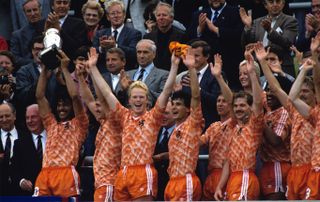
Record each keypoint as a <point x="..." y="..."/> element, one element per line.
<point x="49" y="57"/>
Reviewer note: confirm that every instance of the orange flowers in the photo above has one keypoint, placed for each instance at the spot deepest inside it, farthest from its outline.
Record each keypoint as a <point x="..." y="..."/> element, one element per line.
<point x="178" y="48"/>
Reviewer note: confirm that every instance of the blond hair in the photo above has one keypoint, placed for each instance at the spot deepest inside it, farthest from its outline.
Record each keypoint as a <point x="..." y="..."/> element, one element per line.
<point x="93" y="5"/>
<point x="138" y="84"/>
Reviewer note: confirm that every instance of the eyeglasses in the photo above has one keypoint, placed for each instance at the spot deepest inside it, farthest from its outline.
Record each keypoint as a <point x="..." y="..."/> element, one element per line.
<point x="116" y="13"/>
<point x="315" y="7"/>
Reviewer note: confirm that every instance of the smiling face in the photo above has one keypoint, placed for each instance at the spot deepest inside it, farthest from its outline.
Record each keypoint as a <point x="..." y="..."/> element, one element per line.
<point x="116" y="15"/>
<point x="244" y="76"/>
<point x="163" y="17"/>
<point x="179" y="110"/>
<point x="272" y="100"/>
<point x="33" y="120"/>
<point x="91" y="17"/>
<point x="241" y="109"/>
<point x="7" y="117"/>
<point x="168" y="119"/>
<point x="307" y="95"/>
<point x="138" y="101"/>
<point x="64" y="110"/>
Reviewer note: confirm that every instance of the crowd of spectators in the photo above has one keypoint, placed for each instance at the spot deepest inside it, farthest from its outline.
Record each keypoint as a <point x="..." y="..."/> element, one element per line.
<point x="119" y="46"/>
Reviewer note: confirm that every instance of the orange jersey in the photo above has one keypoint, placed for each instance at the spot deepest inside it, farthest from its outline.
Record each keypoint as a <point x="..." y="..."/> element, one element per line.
<point x="315" y="120"/>
<point x="107" y="156"/>
<point x="244" y="142"/>
<point x="184" y="145"/>
<point x="216" y="137"/>
<point x="139" y="134"/>
<point x="301" y="137"/>
<point x="64" y="140"/>
<point x="278" y="120"/>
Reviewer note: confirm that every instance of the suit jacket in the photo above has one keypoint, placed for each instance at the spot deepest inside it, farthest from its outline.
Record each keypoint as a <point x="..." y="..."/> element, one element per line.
<point x="283" y="34"/>
<point x="18" y="17"/>
<point x="6" y="186"/>
<point x="26" y="163"/>
<point x="127" y="41"/>
<point x="155" y="82"/>
<point x="227" y="43"/>
<point x="163" y="55"/>
<point x="21" y="40"/>
<point x="209" y="92"/>
<point x="118" y="92"/>
<point x="74" y="35"/>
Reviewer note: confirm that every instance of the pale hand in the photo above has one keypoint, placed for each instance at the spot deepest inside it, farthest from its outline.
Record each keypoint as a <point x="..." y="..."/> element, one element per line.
<point x="245" y="18"/>
<point x="260" y="52"/>
<point x="92" y="57"/>
<point x="217" y="68"/>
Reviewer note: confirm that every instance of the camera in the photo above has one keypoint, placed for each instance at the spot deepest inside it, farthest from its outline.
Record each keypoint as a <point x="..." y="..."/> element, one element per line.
<point x="4" y="79"/>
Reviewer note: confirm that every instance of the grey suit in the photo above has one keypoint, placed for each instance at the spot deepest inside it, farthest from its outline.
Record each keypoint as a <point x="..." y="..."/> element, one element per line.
<point x="283" y="34"/>
<point x="155" y="82"/>
<point x="18" y="17"/>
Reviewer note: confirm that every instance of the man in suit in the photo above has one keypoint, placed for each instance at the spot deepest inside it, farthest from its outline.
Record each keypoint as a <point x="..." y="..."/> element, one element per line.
<point x="160" y="157"/>
<point x="73" y="31"/>
<point x="220" y="26"/>
<point x="163" y="34"/>
<point x="275" y="28"/>
<point x="9" y="134"/>
<point x="147" y="72"/>
<point x="21" y="39"/>
<point x="209" y="87"/>
<point x="18" y="16"/>
<point x="28" y="153"/>
<point x="119" y="35"/>
<point x="115" y="62"/>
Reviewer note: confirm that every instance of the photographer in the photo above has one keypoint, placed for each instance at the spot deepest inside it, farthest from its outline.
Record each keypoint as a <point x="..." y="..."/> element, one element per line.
<point x="7" y="79"/>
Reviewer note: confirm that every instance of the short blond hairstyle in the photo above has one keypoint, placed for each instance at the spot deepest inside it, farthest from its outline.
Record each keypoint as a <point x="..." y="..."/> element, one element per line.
<point x="138" y="84"/>
<point x="256" y="65"/>
<point x="92" y="5"/>
<point x="110" y="3"/>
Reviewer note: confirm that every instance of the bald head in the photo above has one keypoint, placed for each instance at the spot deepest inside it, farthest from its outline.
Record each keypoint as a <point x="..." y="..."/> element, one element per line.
<point x="33" y="120"/>
<point x="7" y="117"/>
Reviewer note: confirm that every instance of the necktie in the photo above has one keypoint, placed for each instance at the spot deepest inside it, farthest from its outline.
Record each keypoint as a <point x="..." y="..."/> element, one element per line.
<point x="164" y="142"/>
<point x="39" y="147"/>
<point x="7" y="148"/>
<point x="215" y="16"/>
<point x="115" y="34"/>
<point x="140" y="77"/>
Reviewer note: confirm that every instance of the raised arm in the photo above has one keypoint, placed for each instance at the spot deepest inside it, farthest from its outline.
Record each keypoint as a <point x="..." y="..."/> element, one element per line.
<point x="102" y="85"/>
<point x="168" y="86"/>
<point x="189" y="61"/>
<point x="44" y="107"/>
<point x="71" y="86"/>
<point x="216" y="72"/>
<point x="315" y="43"/>
<point x="274" y="85"/>
<point x="301" y="106"/>
<point x="256" y="88"/>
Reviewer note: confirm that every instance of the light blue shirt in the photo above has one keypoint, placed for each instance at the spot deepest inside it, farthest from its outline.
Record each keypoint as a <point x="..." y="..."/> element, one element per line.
<point x="146" y="72"/>
<point x="170" y="130"/>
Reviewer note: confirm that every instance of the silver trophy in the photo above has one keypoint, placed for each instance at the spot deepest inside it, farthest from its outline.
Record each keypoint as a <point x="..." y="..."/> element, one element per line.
<point x="52" y="43"/>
